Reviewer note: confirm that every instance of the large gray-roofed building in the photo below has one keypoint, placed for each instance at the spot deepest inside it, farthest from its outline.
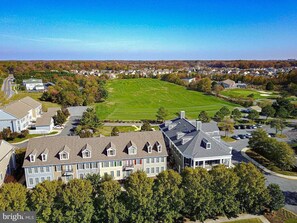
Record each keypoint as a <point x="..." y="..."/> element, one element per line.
<point x="195" y="144"/>
<point x="74" y="157"/>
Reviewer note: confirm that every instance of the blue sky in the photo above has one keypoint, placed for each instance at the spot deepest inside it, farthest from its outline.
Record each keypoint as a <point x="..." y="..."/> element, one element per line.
<point x="148" y="29"/>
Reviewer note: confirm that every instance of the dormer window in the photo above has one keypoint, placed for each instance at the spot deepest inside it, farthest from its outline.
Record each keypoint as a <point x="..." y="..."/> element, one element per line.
<point x="64" y="154"/>
<point x="132" y="149"/>
<point x="43" y="157"/>
<point x="159" y="147"/>
<point x="149" y="147"/>
<point x="111" y="152"/>
<point x="86" y="154"/>
<point x="208" y="145"/>
<point x="32" y="157"/>
<point x="86" y="151"/>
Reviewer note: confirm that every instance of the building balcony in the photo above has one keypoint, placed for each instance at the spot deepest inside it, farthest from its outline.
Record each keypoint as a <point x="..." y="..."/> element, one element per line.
<point x="67" y="172"/>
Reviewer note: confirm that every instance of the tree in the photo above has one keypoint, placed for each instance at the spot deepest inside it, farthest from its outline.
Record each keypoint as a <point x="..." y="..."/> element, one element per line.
<point x="225" y="111"/>
<point x="277" y="198"/>
<point x="115" y="131"/>
<point x="217" y="89"/>
<point x="162" y="113"/>
<point x="253" y="115"/>
<point x="236" y="114"/>
<point x="108" y="205"/>
<point x="252" y="195"/>
<point x="139" y="200"/>
<point x="268" y="111"/>
<point x="59" y="118"/>
<point x="269" y="86"/>
<point x="13" y="197"/>
<point x="90" y="120"/>
<point x="278" y="124"/>
<point x="75" y="204"/>
<point x="219" y="116"/>
<point x="225" y="189"/>
<point x="199" y="199"/>
<point x="204" y="85"/>
<point x="146" y="126"/>
<point x="203" y="117"/>
<point x="227" y="125"/>
<point x="168" y="196"/>
<point x="43" y="199"/>
<point x="282" y="112"/>
<point x="6" y="134"/>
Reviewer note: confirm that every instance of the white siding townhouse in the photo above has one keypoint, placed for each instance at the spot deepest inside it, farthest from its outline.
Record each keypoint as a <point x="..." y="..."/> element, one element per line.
<point x="195" y="144"/>
<point x="18" y="115"/>
<point x="65" y="158"/>
<point x="7" y="160"/>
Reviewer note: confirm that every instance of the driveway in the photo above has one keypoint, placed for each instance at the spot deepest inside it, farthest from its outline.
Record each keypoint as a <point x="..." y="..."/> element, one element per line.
<point x="72" y="122"/>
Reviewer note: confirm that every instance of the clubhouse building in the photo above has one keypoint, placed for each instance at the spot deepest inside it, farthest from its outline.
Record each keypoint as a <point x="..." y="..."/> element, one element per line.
<point x="195" y="144"/>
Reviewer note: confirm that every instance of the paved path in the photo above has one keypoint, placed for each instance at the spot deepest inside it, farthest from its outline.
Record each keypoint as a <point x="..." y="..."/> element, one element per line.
<point x="7" y="86"/>
<point x="240" y="217"/>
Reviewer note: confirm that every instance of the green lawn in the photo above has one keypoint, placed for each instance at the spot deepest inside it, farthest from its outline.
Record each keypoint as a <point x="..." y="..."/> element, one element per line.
<point x="252" y="220"/>
<point x="136" y="99"/>
<point x="17" y="140"/>
<point x="244" y="93"/>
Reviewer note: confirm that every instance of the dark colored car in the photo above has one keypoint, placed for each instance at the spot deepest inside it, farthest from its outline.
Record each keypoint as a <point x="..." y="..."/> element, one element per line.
<point x="242" y="136"/>
<point x="235" y="137"/>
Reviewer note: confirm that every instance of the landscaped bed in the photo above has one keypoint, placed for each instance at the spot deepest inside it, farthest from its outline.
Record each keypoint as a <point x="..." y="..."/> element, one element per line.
<point x="268" y="164"/>
<point x="248" y="93"/>
<point x="282" y="216"/>
<point x="17" y="140"/>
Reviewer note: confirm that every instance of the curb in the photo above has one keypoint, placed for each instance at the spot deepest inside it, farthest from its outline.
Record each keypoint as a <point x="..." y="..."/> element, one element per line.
<point x="264" y="168"/>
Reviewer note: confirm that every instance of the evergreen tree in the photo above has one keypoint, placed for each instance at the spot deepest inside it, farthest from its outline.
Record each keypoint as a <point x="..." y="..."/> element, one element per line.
<point x="277" y="200"/>
<point x="162" y="113"/>
<point x="115" y="131"/>
<point x="236" y="114"/>
<point x="203" y="116"/>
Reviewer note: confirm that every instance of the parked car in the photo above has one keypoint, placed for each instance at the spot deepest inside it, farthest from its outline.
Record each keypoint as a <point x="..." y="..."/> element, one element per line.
<point x="253" y="126"/>
<point x="249" y="126"/>
<point x="242" y="136"/>
<point x="235" y="137"/>
<point x="271" y="135"/>
<point x="259" y="125"/>
<point x="58" y="127"/>
<point x="237" y="127"/>
<point x="248" y="135"/>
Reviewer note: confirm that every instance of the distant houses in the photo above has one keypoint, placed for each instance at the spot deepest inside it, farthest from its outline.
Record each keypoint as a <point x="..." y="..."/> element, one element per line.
<point x="195" y="144"/>
<point x="7" y="160"/>
<point x="33" y="84"/>
<point x="70" y="157"/>
<point x="188" y="80"/>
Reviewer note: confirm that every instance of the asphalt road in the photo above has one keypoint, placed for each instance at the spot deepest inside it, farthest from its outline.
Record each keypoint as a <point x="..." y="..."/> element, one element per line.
<point x="7" y="86"/>
<point x="289" y="187"/>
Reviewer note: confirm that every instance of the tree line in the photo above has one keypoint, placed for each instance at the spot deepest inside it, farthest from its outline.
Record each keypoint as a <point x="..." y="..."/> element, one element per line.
<point x="77" y="90"/>
<point x="196" y="194"/>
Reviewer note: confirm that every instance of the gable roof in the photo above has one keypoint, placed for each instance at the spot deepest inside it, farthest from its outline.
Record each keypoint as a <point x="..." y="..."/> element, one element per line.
<point x="192" y="146"/>
<point x="229" y="82"/>
<point x="5" y="148"/>
<point x="31" y="102"/>
<point x="74" y="144"/>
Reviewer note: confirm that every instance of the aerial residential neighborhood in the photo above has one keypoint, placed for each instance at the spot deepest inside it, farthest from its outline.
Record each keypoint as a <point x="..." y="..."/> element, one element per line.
<point x="148" y="111"/>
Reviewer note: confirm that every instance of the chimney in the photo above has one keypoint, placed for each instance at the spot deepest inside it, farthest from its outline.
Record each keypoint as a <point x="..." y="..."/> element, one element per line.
<point x="182" y="114"/>
<point x="198" y="125"/>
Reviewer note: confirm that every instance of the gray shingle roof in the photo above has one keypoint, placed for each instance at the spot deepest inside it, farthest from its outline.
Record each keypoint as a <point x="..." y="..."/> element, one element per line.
<point x="56" y="144"/>
<point x="191" y="143"/>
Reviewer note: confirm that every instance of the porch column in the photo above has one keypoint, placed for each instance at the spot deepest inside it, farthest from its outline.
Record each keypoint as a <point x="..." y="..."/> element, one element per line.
<point x="203" y="163"/>
<point x="229" y="163"/>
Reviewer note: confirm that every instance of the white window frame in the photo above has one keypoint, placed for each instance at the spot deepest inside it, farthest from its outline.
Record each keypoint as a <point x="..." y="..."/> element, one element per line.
<point x="86" y="153"/>
<point x="111" y="152"/>
<point x="43" y="157"/>
<point x="64" y="153"/>
<point x="132" y="150"/>
<point x="32" y="158"/>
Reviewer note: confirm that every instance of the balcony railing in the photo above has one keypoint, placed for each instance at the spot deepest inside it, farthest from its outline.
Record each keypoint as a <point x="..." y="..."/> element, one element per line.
<point x="128" y="167"/>
<point x="67" y="172"/>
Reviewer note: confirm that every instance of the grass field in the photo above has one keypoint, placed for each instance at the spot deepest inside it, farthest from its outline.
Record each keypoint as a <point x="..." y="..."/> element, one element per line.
<point x="244" y="93"/>
<point x="136" y="99"/>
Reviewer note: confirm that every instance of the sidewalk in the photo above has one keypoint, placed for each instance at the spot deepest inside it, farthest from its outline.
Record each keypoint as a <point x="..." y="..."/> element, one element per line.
<point x="264" y="168"/>
<point x="240" y="217"/>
